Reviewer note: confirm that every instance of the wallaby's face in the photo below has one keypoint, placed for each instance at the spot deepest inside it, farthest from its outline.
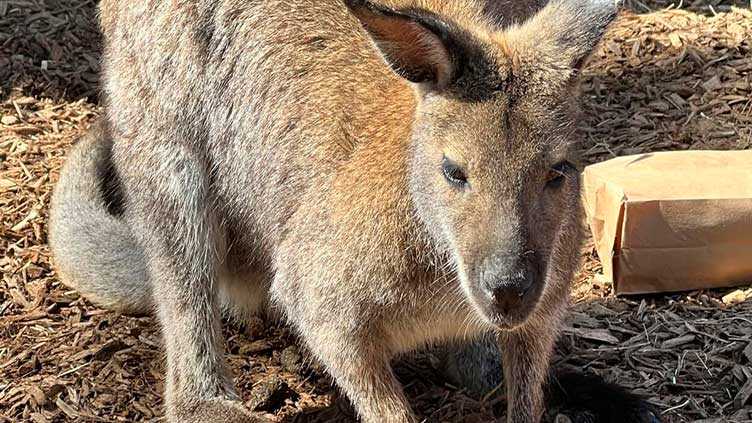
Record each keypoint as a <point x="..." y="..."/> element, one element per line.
<point x="495" y="184"/>
<point x="491" y="159"/>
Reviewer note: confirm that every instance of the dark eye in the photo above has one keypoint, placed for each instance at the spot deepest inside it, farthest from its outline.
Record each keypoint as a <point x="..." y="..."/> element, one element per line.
<point x="558" y="174"/>
<point x="453" y="173"/>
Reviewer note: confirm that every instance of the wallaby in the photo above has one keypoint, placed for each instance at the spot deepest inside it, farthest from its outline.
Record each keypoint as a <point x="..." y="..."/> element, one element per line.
<point x="384" y="176"/>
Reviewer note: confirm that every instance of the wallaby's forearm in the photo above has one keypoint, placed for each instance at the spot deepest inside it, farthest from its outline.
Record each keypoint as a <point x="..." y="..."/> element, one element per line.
<point x="526" y="355"/>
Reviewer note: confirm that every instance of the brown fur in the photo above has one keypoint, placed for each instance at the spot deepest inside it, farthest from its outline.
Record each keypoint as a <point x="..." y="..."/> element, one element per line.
<point x="266" y="152"/>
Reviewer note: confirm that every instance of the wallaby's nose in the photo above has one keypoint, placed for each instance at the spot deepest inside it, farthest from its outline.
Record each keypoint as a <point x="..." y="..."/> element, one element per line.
<point x="510" y="288"/>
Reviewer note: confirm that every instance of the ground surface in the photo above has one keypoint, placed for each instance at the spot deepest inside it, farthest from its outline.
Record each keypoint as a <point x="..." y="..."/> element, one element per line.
<point x="663" y="80"/>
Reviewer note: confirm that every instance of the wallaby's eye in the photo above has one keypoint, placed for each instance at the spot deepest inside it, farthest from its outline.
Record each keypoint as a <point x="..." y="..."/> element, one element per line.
<point x="558" y="173"/>
<point x="453" y="173"/>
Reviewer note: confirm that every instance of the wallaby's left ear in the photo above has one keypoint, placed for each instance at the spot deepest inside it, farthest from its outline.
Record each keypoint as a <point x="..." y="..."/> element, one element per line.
<point x="563" y="33"/>
<point x="413" y="44"/>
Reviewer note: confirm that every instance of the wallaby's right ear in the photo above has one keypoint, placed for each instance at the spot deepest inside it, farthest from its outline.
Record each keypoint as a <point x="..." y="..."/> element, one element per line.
<point x="414" y="43"/>
<point x="563" y="33"/>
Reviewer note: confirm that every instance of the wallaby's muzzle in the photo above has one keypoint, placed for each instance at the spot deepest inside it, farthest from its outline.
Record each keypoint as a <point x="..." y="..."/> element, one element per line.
<point x="508" y="288"/>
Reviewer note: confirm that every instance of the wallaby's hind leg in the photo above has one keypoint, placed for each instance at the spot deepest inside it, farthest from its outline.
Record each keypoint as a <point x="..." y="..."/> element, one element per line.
<point x="169" y="208"/>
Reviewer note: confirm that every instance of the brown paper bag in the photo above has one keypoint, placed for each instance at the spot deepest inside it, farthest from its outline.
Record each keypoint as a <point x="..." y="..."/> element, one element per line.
<point x="672" y="221"/>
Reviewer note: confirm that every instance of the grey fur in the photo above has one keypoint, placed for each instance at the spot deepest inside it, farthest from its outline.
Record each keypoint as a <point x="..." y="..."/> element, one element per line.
<point x="95" y="251"/>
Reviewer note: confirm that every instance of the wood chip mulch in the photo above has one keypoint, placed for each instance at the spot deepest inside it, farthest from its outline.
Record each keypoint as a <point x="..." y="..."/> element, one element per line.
<point x="663" y="80"/>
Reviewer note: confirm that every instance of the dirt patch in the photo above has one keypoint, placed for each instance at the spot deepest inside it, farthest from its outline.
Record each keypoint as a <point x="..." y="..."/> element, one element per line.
<point x="662" y="80"/>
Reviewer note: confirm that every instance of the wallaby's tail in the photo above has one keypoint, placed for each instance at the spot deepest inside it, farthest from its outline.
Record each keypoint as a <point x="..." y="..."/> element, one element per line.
<point x="94" y="249"/>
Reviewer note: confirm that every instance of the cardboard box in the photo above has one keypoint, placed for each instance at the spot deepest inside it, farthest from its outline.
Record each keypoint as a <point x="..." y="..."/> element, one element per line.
<point x="673" y="221"/>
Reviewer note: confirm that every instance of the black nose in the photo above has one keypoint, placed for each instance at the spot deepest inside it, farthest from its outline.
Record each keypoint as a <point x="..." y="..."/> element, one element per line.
<point x="510" y="288"/>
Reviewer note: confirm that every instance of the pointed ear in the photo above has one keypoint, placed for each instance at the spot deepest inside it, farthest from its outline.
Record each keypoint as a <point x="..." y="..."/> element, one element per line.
<point x="563" y="33"/>
<point x="415" y="46"/>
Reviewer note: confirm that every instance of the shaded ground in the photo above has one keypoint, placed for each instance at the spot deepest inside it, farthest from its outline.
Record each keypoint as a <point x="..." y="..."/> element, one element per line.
<point x="663" y="80"/>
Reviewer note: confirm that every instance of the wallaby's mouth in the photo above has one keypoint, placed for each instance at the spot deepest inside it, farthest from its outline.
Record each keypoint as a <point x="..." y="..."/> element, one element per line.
<point x="515" y="312"/>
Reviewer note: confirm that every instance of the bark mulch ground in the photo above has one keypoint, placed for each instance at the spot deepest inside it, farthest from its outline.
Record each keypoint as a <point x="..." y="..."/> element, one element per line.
<point x="669" y="76"/>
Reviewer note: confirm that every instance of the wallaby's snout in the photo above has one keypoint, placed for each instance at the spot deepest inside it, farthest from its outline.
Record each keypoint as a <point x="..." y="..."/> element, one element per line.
<point x="505" y="275"/>
<point x="514" y="279"/>
<point x="510" y="284"/>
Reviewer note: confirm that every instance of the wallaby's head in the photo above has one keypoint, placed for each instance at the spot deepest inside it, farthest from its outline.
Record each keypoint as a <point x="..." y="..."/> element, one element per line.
<point x="492" y="159"/>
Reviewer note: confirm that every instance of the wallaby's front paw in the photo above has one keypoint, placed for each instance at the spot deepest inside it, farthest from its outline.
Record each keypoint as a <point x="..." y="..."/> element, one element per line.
<point x="213" y="411"/>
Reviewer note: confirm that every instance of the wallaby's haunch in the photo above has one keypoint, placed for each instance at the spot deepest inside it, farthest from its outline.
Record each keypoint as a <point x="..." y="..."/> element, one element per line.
<point x="386" y="175"/>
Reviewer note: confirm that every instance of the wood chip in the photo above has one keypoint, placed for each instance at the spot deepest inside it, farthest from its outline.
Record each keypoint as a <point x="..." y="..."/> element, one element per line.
<point x="601" y="335"/>
<point x="675" y="342"/>
<point x="741" y="398"/>
<point x="737" y="296"/>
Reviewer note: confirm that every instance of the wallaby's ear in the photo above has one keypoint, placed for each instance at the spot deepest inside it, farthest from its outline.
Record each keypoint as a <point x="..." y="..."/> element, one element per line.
<point x="414" y="45"/>
<point x="563" y="33"/>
